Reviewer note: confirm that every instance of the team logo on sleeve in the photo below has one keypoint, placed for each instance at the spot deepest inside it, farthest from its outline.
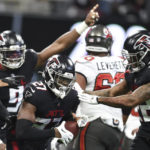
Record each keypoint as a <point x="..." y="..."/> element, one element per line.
<point x="29" y="93"/>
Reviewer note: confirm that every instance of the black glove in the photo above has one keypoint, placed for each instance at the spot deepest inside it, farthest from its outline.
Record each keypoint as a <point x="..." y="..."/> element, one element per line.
<point x="3" y="112"/>
<point x="13" y="81"/>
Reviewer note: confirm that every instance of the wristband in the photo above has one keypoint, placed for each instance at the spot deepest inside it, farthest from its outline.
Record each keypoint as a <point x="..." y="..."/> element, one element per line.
<point x="81" y="27"/>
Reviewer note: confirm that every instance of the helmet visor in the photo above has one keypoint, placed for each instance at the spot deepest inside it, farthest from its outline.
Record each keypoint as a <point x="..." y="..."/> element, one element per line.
<point x="12" y="57"/>
<point x="63" y="81"/>
<point x="13" y="54"/>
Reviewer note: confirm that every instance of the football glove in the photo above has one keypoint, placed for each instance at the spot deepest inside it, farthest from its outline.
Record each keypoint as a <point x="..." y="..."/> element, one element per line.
<point x="92" y="99"/>
<point x="54" y="143"/>
<point x="13" y="81"/>
<point x="82" y="121"/>
<point x="66" y="135"/>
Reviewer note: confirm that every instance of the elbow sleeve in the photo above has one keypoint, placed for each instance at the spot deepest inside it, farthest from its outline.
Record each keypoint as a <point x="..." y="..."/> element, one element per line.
<point x="25" y="131"/>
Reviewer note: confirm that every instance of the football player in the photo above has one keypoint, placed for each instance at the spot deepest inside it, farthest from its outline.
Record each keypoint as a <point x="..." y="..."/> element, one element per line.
<point x="47" y="103"/>
<point x="4" y="115"/>
<point x="15" y="59"/>
<point x="137" y="51"/>
<point x="96" y="71"/>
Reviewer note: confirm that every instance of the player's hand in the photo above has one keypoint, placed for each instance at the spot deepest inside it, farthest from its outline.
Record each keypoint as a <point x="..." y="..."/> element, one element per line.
<point x="66" y="136"/>
<point x="92" y="99"/>
<point x="92" y="16"/>
<point x="82" y="120"/>
<point x="55" y="143"/>
<point x="13" y="81"/>
<point x="2" y="145"/>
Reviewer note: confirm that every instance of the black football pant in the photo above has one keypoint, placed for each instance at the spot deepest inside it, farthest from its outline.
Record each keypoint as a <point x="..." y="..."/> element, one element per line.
<point x="98" y="136"/>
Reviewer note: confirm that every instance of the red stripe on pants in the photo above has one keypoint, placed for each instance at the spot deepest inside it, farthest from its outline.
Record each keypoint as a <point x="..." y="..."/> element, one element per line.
<point x="82" y="137"/>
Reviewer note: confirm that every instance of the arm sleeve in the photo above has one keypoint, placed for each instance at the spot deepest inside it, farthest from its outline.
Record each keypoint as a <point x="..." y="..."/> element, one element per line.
<point x="25" y="131"/>
<point x="32" y="57"/>
<point x="3" y="135"/>
<point x="3" y="112"/>
<point x="129" y="77"/>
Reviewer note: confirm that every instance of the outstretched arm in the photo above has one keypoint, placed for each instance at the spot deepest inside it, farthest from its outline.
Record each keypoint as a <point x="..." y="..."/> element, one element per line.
<point x="139" y="96"/>
<point x="118" y="89"/>
<point x="95" y="97"/>
<point x="67" y="39"/>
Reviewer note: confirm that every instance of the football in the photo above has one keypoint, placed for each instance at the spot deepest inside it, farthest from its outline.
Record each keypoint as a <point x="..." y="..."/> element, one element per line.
<point x="72" y="126"/>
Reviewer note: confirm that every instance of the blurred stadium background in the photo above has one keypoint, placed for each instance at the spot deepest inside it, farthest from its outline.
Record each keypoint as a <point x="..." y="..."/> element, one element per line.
<point x="40" y="22"/>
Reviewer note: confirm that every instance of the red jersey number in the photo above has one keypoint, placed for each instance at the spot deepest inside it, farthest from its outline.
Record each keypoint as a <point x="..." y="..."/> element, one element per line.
<point x="99" y="84"/>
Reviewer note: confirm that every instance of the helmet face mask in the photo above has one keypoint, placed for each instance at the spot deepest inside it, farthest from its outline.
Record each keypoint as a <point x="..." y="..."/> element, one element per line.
<point x="137" y="51"/>
<point x="135" y="63"/>
<point x="59" y="75"/>
<point x="12" y="50"/>
<point x="64" y="83"/>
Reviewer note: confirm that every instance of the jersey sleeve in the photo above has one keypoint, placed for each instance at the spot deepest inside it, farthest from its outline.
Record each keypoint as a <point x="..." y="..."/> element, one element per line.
<point x="143" y="78"/>
<point x="31" y="57"/>
<point x="29" y="95"/>
<point x="82" y="66"/>
<point x="74" y="101"/>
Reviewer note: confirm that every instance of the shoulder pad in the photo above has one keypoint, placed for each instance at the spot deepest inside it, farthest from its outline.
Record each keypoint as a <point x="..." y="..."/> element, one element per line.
<point x="118" y="57"/>
<point x="30" y="50"/>
<point x="85" y="59"/>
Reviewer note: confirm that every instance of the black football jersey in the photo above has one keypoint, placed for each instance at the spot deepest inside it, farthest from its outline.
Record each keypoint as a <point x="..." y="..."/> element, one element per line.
<point x="50" y="109"/>
<point x="12" y="97"/>
<point x="134" y="80"/>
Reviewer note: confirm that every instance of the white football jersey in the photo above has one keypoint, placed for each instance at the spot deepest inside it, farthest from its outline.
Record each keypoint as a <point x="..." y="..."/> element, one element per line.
<point x="101" y="73"/>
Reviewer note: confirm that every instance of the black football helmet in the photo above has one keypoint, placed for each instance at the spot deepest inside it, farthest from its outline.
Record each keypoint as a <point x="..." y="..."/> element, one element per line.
<point x="98" y="39"/>
<point x="137" y="50"/>
<point x="59" y="75"/>
<point x="12" y="50"/>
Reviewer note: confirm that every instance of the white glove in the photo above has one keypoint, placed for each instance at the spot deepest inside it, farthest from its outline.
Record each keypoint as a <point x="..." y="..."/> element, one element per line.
<point x="66" y="135"/>
<point x="92" y="99"/>
<point x="82" y="121"/>
<point x="54" y="143"/>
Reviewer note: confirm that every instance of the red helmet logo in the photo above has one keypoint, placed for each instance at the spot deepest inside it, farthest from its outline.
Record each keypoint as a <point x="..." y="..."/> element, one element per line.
<point x="143" y="42"/>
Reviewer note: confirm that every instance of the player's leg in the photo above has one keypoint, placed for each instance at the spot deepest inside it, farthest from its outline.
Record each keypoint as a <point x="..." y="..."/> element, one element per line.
<point x="98" y="136"/>
<point x="102" y="136"/>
